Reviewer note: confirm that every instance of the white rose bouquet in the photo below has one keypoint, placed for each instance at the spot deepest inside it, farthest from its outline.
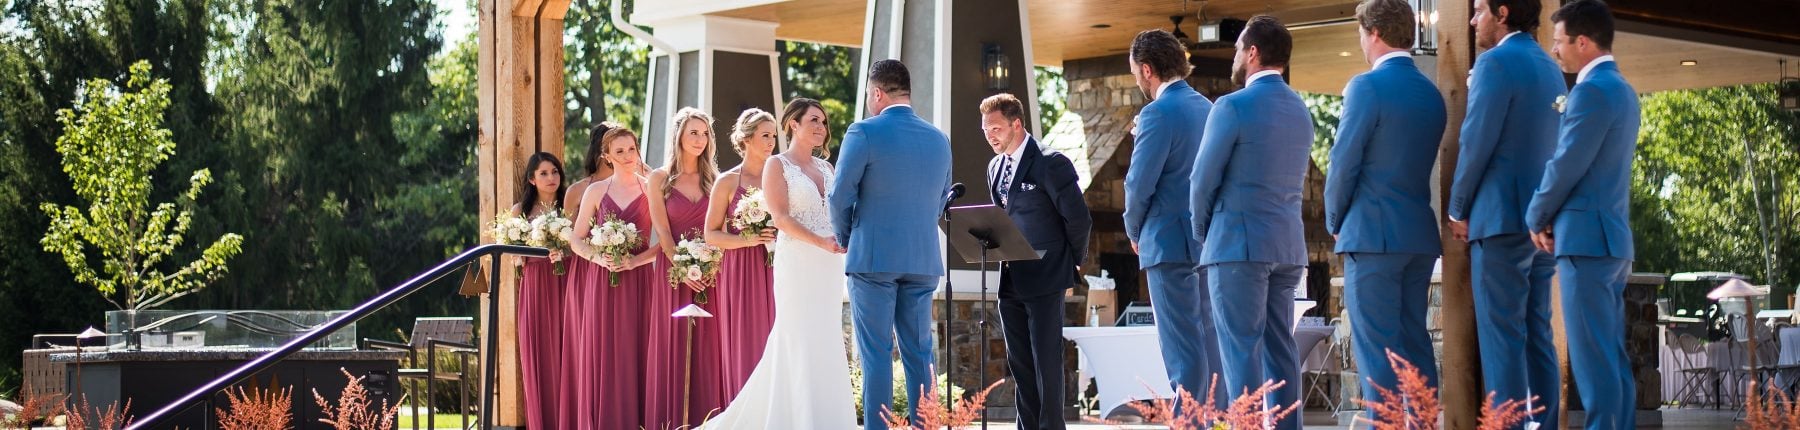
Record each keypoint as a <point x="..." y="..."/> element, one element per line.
<point x="510" y="230"/>
<point x="695" y="262"/>
<point x="615" y="239"/>
<point x="751" y="217"/>
<point x="551" y="230"/>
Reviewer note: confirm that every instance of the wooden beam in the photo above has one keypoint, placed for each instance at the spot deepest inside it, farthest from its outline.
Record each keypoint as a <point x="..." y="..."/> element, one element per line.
<point x="1768" y="20"/>
<point x="1460" y="376"/>
<point x="520" y="105"/>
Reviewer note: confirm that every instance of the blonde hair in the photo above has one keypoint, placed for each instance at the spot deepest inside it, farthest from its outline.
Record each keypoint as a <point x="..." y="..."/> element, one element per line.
<point x="747" y="123"/>
<point x="708" y="165"/>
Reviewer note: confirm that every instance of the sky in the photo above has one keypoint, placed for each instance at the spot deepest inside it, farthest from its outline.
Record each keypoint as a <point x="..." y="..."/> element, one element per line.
<point x="459" y="20"/>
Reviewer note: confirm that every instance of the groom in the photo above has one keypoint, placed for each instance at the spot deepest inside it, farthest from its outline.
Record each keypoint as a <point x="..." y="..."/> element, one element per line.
<point x="886" y="215"/>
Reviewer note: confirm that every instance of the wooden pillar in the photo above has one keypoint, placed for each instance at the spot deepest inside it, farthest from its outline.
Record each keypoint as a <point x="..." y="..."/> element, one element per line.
<point x="1462" y="390"/>
<point x="520" y="91"/>
<point x="1460" y="376"/>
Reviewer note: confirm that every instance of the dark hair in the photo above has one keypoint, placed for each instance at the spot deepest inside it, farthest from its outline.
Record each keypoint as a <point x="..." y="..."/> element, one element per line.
<point x="1164" y="53"/>
<point x="1393" y="20"/>
<point x="595" y="152"/>
<point x="796" y="111"/>
<point x="528" y="193"/>
<point x="1007" y="105"/>
<point x="891" y="77"/>
<point x="1271" y="39"/>
<point x="1521" y="15"/>
<point x="1589" y="18"/>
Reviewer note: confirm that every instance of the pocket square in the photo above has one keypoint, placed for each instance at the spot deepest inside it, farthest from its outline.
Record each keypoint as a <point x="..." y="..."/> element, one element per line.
<point x="1027" y="186"/>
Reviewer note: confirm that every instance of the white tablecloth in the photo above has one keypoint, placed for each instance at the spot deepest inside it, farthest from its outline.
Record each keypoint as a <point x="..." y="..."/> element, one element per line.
<point x="1127" y="362"/>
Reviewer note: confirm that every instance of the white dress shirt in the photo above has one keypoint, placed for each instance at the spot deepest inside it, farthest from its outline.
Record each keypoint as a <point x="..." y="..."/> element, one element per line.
<point x="884" y="110"/>
<point x="1260" y="75"/>
<point x="1582" y="77"/>
<point x="1390" y="56"/>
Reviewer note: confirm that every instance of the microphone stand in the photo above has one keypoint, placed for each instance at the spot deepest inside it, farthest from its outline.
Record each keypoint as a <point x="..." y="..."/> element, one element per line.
<point x="949" y="314"/>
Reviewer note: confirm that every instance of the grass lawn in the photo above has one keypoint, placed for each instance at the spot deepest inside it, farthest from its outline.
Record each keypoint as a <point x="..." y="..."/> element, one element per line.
<point x="444" y="421"/>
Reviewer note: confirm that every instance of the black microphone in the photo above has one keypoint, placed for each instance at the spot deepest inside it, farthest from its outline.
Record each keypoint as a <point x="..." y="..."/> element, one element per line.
<point x="956" y="191"/>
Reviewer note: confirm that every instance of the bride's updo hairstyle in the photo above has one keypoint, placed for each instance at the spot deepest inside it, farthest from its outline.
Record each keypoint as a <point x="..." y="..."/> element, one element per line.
<point x="795" y="113"/>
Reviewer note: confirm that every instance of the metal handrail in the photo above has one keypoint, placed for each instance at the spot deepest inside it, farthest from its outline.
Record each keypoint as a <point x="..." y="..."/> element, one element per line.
<point x="376" y="303"/>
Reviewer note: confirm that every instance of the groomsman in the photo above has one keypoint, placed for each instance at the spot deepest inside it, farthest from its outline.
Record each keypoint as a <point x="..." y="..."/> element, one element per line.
<point x="1156" y="210"/>
<point x="1040" y="191"/>
<point x="1581" y="211"/>
<point x="1506" y="138"/>
<point x="1378" y="197"/>
<point x="1246" y="188"/>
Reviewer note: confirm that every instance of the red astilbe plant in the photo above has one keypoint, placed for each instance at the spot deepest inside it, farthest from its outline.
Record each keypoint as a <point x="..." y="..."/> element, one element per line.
<point x="111" y="418"/>
<point x="353" y="410"/>
<point x="33" y="410"/>
<point x="1413" y="406"/>
<point x="1762" y="414"/>
<point x="933" y="415"/>
<point x="1249" y="412"/>
<point x="258" y="409"/>
<point x="1507" y="414"/>
<point x="1245" y="412"/>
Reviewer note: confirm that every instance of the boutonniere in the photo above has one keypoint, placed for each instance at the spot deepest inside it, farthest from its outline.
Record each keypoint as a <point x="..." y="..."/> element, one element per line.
<point x="1558" y="104"/>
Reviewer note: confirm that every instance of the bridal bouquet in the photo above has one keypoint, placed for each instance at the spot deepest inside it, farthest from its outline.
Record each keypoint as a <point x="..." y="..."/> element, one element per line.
<point x="752" y="218"/>
<point x="696" y="262"/>
<point x="552" y="231"/>
<point x="615" y="240"/>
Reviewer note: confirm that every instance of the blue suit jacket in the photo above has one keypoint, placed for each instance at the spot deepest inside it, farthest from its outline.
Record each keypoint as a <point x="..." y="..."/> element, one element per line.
<point x="1586" y="190"/>
<point x="1378" y="192"/>
<point x="1248" y="179"/>
<point x="892" y="177"/>
<point x="1506" y="137"/>
<point x="1156" y="199"/>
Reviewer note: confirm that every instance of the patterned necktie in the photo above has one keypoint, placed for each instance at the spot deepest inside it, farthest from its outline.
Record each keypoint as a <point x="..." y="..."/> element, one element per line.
<point x="1006" y="174"/>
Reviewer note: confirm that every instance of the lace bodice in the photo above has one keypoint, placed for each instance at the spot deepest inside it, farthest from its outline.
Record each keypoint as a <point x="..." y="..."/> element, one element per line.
<point x="805" y="202"/>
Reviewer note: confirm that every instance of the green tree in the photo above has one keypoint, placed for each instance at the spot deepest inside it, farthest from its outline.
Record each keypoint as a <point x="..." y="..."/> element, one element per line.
<point x="1326" y="110"/>
<point x="1707" y="162"/>
<point x="48" y="50"/>
<point x="827" y="73"/>
<point x="315" y="92"/>
<point x="1052" y="95"/>
<point x="110" y="145"/>
<point x="606" y="72"/>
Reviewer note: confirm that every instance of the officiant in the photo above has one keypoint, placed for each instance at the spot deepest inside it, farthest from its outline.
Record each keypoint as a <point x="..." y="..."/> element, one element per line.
<point x="1039" y="190"/>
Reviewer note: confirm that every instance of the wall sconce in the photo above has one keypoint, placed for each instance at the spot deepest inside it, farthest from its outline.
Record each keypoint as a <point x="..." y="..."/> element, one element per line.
<point x="994" y="65"/>
<point x="1426" y="12"/>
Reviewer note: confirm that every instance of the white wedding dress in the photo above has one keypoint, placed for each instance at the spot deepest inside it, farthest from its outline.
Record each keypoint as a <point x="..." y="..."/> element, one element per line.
<point x="803" y="380"/>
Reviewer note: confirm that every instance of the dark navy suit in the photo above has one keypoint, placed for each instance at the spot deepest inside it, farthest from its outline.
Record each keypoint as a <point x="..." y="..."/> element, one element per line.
<point x="1043" y="197"/>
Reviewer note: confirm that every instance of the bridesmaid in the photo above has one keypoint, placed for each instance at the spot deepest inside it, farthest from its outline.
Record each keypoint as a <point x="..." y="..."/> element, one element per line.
<point x="608" y="372"/>
<point x="678" y="201"/>
<point x="744" y="298"/>
<point x="597" y="169"/>
<point x="541" y="298"/>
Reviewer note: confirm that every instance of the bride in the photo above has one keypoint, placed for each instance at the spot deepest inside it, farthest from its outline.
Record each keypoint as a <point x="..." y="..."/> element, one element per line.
<point x="803" y="380"/>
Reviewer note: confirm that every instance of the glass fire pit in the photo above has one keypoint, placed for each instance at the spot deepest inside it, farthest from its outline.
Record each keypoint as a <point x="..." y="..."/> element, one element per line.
<point x="219" y="329"/>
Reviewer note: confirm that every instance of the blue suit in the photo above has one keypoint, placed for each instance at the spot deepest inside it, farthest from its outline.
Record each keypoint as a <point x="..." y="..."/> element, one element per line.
<point x="1506" y="138"/>
<point x="891" y="182"/>
<point x="1378" y="203"/>
<point x="1158" y="221"/>
<point x="1246" y="189"/>
<point x="1585" y="201"/>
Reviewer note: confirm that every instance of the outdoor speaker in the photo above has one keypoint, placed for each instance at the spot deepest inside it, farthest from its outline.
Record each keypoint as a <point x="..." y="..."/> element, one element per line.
<point x="1789" y="90"/>
<point x="1224" y="30"/>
